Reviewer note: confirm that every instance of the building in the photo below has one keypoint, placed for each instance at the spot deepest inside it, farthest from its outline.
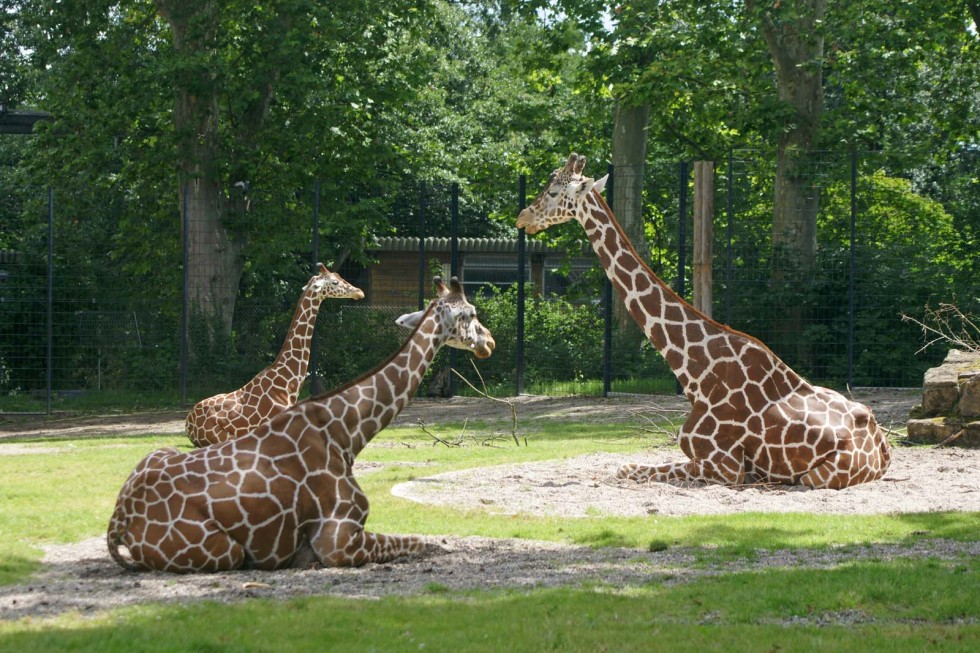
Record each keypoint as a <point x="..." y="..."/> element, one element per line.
<point x="394" y="280"/>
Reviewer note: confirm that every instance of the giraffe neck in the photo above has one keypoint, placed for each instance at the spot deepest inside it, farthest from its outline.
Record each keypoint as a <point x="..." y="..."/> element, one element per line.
<point x="676" y="329"/>
<point x="369" y="403"/>
<point x="293" y="360"/>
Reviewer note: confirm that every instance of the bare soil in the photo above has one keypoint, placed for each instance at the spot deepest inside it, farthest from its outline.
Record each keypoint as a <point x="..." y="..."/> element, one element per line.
<point x="82" y="578"/>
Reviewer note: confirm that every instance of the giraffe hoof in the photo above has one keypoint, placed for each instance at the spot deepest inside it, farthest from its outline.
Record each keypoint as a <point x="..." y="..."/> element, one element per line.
<point x="626" y="472"/>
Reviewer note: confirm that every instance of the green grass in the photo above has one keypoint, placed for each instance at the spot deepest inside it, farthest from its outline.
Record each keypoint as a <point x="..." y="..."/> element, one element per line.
<point x="896" y="606"/>
<point x="905" y="605"/>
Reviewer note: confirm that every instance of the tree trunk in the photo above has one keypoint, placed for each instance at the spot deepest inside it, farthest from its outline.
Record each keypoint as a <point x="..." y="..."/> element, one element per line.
<point x="796" y="47"/>
<point x="792" y="30"/>
<point x="214" y="255"/>
<point x="629" y="150"/>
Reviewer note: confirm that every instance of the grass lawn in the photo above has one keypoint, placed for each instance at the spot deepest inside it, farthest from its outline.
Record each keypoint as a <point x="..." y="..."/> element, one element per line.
<point x="65" y="492"/>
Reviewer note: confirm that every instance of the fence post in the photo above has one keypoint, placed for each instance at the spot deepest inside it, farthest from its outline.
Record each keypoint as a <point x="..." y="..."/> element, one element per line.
<point x="852" y="273"/>
<point x="49" y="354"/>
<point x="607" y="306"/>
<point x="314" y="349"/>
<point x="185" y="302"/>
<point x="704" y="206"/>
<point x="681" y="229"/>
<point x="453" y="269"/>
<point x="681" y="239"/>
<point x="730" y="191"/>
<point x="521" y="270"/>
<point x="422" y="280"/>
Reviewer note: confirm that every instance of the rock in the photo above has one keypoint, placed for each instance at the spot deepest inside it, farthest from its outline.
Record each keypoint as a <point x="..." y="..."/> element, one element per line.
<point x="950" y="402"/>
<point x="937" y="429"/>
<point x="969" y="389"/>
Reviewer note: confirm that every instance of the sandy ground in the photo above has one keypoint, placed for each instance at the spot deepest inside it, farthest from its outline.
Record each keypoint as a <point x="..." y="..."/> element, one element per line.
<point x="82" y="578"/>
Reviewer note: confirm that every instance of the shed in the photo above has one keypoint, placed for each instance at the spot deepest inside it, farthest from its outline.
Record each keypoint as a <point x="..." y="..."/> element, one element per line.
<point x="483" y="262"/>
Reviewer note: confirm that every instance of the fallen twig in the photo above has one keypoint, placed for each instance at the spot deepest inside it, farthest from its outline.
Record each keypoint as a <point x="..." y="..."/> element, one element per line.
<point x="436" y="437"/>
<point x="486" y="395"/>
<point x="951" y="438"/>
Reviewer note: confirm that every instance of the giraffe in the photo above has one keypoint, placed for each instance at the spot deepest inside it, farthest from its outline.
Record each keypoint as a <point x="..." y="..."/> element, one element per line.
<point x="753" y="419"/>
<point x="233" y="414"/>
<point x="285" y="494"/>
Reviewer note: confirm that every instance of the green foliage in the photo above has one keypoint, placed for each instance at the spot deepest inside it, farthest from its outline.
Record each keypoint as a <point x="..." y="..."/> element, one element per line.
<point x="563" y="340"/>
<point x="378" y="338"/>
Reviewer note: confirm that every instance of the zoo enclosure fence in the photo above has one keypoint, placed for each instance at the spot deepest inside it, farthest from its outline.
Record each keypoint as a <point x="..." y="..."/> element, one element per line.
<point x="72" y="328"/>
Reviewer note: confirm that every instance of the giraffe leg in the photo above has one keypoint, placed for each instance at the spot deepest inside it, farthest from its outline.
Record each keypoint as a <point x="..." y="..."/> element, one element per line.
<point x="720" y="468"/>
<point x="345" y="543"/>
<point x="713" y="455"/>
<point x="842" y="469"/>
<point x="187" y="547"/>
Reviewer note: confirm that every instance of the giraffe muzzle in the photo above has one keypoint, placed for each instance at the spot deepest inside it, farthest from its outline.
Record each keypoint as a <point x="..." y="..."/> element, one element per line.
<point x="484" y="349"/>
<point x="526" y="222"/>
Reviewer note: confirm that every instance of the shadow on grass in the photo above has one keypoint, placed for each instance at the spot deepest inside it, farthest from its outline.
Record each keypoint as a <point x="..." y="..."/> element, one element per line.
<point x="14" y="568"/>
<point x="908" y="605"/>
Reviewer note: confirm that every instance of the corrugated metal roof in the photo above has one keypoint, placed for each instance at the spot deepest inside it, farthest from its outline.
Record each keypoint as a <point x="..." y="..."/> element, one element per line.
<point x="441" y="244"/>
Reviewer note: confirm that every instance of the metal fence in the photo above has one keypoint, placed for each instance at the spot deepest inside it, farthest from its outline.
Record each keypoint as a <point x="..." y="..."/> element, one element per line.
<point x="98" y="320"/>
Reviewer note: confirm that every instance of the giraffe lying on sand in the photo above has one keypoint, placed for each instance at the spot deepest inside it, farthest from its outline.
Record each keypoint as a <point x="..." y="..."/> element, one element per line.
<point x="753" y="418"/>
<point x="285" y="494"/>
<point x="227" y="416"/>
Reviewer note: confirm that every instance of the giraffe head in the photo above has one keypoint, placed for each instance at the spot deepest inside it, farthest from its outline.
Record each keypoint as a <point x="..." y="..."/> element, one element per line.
<point x="562" y="198"/>
<point x="456" y="318"/>
<point x="330" y="285"/>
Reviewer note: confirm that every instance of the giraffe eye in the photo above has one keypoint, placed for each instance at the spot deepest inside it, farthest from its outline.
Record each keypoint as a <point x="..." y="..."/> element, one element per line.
<point x="552" y="193"/>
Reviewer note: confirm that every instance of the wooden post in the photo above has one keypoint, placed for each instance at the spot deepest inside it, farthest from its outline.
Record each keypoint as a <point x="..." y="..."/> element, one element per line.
<point x="704" y="193"/>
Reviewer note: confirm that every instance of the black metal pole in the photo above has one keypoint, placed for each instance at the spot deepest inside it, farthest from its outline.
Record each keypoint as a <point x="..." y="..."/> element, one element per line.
<point x="682" y="230"/>
<point x="607" y="308"/>
<point x="314" y="349"/>
<point x="48" y="376"/>
<point x="521" y="271"/>
<point x="185" y="305"/>
<point x="731" y="235"/>
<point x="316" y="226"/>
<point x="454" y="231"/>
<point x="681" y="239"/>
<point x="852" y="273"/>
<point x="454" y="270"/>
<point x="422" y="280"/>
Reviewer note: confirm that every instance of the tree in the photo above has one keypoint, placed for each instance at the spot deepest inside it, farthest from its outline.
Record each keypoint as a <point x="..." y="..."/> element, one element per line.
<point x="793" y="31"/>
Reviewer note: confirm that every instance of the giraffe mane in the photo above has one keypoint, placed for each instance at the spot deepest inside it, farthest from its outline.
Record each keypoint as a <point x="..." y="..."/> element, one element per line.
<point x="673" y="294"/>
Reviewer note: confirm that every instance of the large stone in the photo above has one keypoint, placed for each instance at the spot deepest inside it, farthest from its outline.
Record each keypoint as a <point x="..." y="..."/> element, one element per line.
<point x="938" y="429"/>
<point x="942" y="385"/>
<point x="969" y="388"/>
<point x="931" y="431"/>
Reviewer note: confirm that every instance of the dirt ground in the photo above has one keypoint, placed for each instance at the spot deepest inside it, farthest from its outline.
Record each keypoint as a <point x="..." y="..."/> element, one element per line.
<point x="82" y="578"/>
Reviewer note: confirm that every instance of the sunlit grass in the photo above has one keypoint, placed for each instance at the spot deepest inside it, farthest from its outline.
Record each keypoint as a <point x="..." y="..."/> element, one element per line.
<point x="907" y="605"/>
<point x="69" y="495"/>
<point x="63" y="491"/>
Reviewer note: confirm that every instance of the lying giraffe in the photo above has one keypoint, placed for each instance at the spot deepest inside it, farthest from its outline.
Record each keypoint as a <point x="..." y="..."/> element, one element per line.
<point x="753" y="418"/>
<point x="285" y="494"/>
<point x="227" y="416"/>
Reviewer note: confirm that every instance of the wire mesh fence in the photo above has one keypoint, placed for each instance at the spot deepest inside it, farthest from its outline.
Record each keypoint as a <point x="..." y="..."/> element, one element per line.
<point x="97" y="310"/>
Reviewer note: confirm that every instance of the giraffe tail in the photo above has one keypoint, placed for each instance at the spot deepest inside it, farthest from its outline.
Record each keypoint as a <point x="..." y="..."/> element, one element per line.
<point x="114" y="540"/>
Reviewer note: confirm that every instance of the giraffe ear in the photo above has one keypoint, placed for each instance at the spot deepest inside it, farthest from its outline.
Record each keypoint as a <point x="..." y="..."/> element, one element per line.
<point x="409" y="320"/>
<point x="439" y="286"/>
<point x="600" y="184"/>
